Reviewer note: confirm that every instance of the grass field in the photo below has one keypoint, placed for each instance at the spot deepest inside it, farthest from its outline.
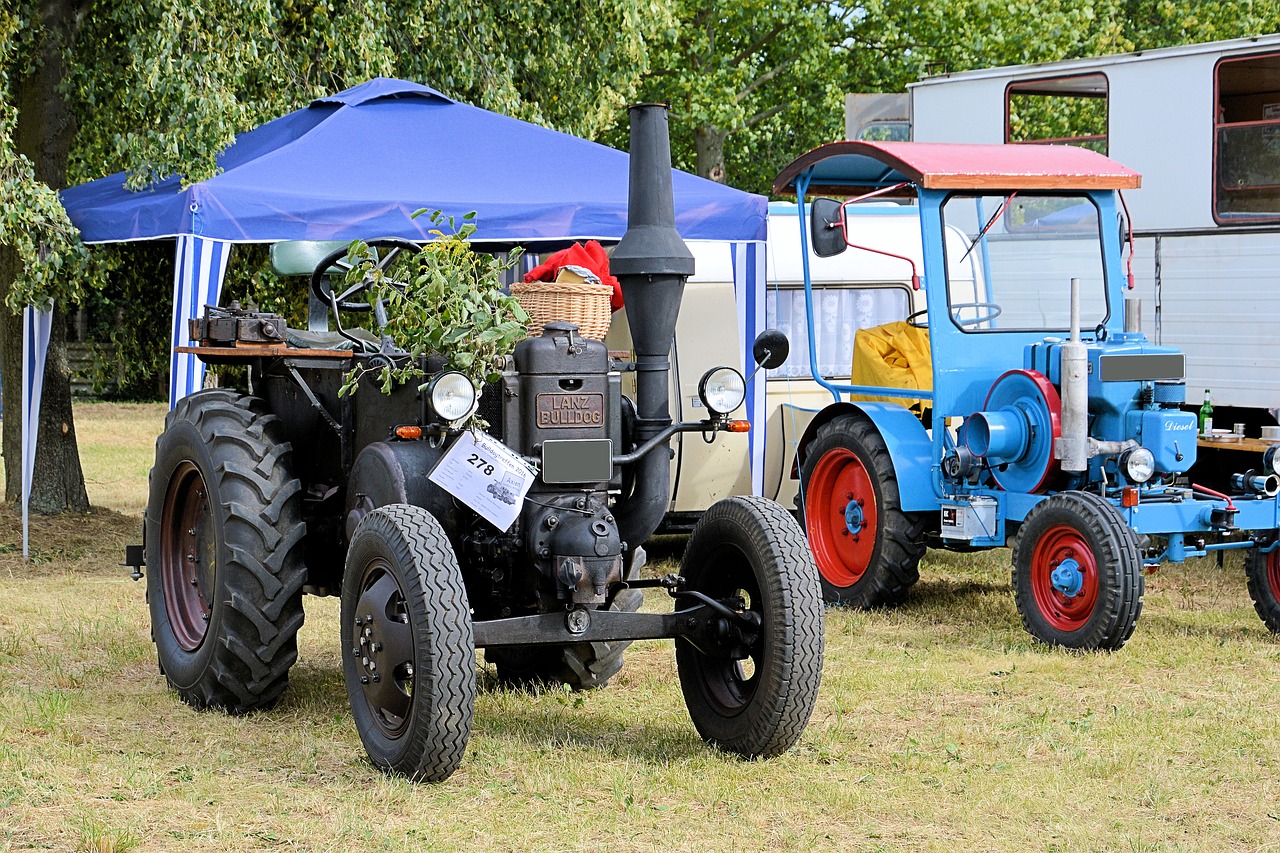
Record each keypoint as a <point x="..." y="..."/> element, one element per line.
<point x="940" y="726"/>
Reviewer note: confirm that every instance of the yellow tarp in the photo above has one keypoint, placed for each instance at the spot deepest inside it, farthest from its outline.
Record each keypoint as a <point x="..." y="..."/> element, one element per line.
<point x="895" y="355"/>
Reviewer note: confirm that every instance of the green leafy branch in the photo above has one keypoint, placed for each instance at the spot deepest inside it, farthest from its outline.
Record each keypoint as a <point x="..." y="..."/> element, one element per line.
<point x="451" y="305"/>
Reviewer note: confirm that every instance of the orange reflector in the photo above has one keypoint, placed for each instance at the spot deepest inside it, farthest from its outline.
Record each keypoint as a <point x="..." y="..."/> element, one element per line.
<point x="1129" y="496"/>
<point x="737" y="426"/>
<point x="408" y="432"/>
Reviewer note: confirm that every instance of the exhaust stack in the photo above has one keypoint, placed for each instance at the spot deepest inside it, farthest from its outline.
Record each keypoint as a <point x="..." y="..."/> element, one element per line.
<point x="1073" y="447"/>
<point x="652" y="264"/>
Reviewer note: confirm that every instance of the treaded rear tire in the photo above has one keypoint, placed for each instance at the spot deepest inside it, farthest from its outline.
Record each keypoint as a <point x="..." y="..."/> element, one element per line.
<point x="758" y="707"/>
<point x="224" y="588"/>
<point x="413" y="706"/>
<point x="877" y="566"/>
<point x="1085" y="528"/>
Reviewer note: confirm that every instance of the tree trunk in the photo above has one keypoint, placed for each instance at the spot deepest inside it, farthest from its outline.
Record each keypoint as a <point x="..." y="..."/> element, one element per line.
<point x="44" y="134"/>
<point x="708" y="145"/>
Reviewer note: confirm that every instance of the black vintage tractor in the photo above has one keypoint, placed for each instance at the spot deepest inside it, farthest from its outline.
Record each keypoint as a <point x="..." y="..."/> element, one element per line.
<point x="292" y="488"/>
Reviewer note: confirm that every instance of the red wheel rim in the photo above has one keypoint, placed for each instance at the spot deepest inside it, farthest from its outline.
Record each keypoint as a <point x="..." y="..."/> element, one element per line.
<point x="842" y="554"/>
<point x="188" y="554"/>
<point x="1273" y="573"/>
<point x="1065" y="613"/>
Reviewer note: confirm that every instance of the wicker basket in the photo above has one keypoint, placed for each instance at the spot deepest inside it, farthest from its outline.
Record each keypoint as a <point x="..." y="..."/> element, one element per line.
<point x="586" y="305"/>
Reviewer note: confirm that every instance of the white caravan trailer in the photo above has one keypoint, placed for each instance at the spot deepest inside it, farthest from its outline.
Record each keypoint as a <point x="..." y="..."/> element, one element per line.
<point x="1201" y="123"/>
<point x="852" y="291"/>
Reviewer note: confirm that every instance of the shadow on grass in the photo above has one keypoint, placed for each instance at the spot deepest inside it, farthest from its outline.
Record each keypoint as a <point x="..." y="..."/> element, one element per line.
<point x="540" y="716"/>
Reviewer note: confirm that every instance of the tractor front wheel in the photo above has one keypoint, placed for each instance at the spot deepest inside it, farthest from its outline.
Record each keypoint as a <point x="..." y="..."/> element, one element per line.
<point x="408" y="651"/>
<point x="866" y="547"/>
<point x="1077" y="573"/>
<point x="1263" y="574"/>
<point x="754" y="695"/>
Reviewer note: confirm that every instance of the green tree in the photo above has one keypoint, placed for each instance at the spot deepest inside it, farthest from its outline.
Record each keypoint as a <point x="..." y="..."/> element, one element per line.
<point x="893" y="43"/>
<point x="159" y="87"/>
<point x="748" y="82"/>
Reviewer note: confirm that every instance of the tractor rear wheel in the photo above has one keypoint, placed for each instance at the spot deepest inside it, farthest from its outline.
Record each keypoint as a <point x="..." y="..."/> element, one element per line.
<point x="866" y="547"/>
<point x="754" y="696"/>
<point x="1263" y="574"/>
<point x="408" y="650"/>
<point x="224" y="553"/>
<point x="1077" y="573"/>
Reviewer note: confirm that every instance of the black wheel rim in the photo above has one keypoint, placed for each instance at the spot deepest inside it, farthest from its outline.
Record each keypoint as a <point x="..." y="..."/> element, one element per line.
<point x="730" y="683"/>
<point x="188" y="555"/>
<point x="382" y="645"/>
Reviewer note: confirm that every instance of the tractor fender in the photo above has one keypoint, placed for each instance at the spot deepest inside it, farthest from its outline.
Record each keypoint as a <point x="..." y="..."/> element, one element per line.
<point x="395" y="472"/>
<point x="910" y="448"/>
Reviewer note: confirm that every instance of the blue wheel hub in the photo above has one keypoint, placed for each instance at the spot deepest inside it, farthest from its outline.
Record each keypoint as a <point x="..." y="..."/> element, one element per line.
<point x="1067" y="578"/>
<point x="853" y="518"/>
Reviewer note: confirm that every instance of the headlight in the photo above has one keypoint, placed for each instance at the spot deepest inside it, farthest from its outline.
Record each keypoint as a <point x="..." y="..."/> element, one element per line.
<point x="1271" y="459"/>
<point x="722" y="390"/>
<point x="453" y="397"/>
<point x="1138" y="464"/>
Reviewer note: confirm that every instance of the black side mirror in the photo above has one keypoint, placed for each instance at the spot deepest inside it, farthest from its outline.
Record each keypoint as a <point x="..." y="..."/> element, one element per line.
<point x="771" y="348"/>
<point x="826" y="227"/>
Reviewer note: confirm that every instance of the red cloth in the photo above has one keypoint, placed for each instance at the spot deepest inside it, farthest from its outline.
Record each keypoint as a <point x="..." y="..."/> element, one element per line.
<point x="591" y="256"/>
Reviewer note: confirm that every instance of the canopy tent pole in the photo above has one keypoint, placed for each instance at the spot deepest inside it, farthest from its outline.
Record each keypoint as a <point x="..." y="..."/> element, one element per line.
<point x="749" y="294"/>
<point x="199" y="267"/>
<point x="36" y="327"/>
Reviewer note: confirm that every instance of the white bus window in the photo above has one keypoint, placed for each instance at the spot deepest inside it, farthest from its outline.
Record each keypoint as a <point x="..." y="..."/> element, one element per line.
<point x="1063" y="110"/>
<point x="1246" y="143"/>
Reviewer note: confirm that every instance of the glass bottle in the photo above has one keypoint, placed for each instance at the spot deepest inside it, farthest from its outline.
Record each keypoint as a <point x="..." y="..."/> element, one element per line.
<point x="1206" y="415"/>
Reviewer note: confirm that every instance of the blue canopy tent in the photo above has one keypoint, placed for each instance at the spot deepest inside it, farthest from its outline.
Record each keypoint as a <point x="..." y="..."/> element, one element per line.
<point x="359" y="163"/>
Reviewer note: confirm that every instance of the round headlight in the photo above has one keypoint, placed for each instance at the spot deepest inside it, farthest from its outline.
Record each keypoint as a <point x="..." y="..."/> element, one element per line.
<point x="722" y="390"/>
<point x="1271" y="459"/>
<point x="1138" y="464"/>
<point x="453" y="397"/>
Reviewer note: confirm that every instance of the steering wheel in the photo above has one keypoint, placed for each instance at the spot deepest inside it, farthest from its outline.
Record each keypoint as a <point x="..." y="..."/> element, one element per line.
<point x="377" y="258"/>
<point x="992" y="311"/>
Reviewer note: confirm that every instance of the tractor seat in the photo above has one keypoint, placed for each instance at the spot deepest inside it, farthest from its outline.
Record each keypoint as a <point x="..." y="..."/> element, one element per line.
<point x="303" y="339"/>
<point x="893" y="355"/>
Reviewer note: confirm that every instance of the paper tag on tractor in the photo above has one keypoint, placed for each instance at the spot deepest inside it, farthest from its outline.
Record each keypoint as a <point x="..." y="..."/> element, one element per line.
<point x="485" y="475"/>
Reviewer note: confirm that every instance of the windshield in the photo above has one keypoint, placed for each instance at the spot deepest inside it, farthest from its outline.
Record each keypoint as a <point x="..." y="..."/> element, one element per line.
<point x="1010" y="260"/>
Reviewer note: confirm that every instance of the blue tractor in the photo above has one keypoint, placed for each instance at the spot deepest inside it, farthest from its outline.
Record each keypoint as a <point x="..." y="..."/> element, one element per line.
<point x="1052" y="422"/>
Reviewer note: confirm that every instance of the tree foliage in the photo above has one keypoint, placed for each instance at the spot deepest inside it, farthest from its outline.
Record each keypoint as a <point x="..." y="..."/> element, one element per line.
<point x="159" y="87"/>
<point x="747" y="82"/>
<point x="893" y="43"/>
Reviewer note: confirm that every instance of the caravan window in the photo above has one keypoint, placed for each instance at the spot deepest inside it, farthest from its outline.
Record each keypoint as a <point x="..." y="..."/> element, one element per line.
<point x="1246" y="143"/>
<point x="839" y="312"/>
<point x="1070" y="110"/>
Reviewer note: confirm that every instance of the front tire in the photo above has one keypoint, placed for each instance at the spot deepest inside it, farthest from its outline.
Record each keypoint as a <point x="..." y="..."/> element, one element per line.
<point x="866" y="547"/>
<point x="224" y="553"/>
<point x="750" y="553"/>
<point x="1263" y="574"/>
<point x="1077" y="573"/>
<point x="408" y="646"/>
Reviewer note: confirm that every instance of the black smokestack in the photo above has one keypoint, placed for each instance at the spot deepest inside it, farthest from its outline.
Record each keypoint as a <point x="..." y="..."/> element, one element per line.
<point x="652" y="264"/>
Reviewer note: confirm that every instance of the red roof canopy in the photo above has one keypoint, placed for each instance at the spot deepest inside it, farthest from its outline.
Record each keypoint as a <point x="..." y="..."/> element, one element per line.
<point x="857" y="165"/>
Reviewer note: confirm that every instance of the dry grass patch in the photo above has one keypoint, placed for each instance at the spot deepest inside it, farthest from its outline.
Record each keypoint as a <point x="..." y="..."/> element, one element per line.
<point x="940" y="726"/>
